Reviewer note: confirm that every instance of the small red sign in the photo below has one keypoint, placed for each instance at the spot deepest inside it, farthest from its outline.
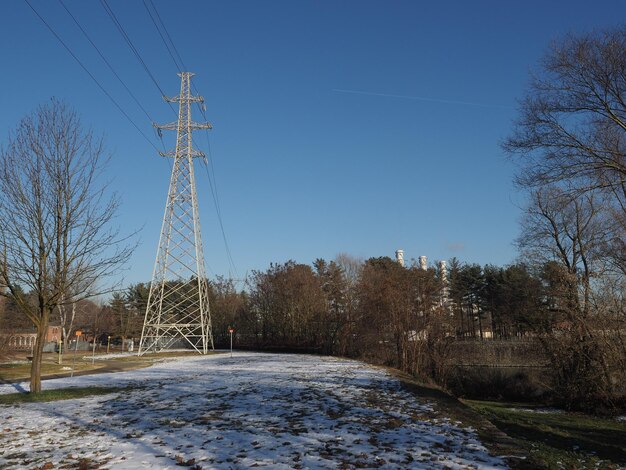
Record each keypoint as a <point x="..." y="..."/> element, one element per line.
<point x="230" y="330"/>
<point x="78" y="332"/>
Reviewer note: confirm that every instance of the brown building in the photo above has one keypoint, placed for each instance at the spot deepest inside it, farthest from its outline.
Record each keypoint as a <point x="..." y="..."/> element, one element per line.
<point x="23" y="341"/>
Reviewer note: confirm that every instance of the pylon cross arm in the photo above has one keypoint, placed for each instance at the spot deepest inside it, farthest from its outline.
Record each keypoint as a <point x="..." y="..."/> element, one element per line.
<point x="173" y="99"/>
<point x="170" y="126"/>
<point x="172" y="154"/>
<point x="173" y="126"/>
<point x="201" y="125"/>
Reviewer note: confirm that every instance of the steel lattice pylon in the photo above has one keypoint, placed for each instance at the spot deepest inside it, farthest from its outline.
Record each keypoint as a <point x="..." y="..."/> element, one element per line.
<point x="178" y="303"/>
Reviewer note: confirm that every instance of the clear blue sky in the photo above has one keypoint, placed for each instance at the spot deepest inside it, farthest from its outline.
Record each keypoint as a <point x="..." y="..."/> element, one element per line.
<point x="305" y="166"/>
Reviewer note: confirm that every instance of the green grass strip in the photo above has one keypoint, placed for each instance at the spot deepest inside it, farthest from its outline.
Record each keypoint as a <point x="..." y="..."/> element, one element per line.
<point x="558" y="440"/>
<point x="54" y="395"/>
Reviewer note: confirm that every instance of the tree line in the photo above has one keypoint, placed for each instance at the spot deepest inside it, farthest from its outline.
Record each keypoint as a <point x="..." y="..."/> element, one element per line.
<point x="404" y="317"/>
<point x="410" y="318"/>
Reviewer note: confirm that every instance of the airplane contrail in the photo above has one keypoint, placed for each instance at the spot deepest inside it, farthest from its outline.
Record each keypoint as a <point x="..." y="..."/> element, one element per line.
<point x="421" y="98"/>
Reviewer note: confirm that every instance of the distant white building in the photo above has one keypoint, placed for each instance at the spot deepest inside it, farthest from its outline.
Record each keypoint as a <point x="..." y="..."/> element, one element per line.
<point x="400" y="257"/>
<point x="423" y="263"/>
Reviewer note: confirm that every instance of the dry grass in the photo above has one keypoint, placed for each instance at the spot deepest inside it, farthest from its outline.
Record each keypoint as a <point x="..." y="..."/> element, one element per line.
<point x="49" y="366"/>
<point x="81" y="362"/>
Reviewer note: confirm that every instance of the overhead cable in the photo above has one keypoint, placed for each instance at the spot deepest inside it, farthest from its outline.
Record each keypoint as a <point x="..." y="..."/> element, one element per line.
<point x="132" y="47"/>
<point x="91" y="75"/>
<point x="179" y="64"/>
<point x="104" y="59"/>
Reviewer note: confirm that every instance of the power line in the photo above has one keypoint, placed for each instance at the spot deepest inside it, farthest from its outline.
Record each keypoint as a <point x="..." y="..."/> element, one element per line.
<point x="90" y="75"/>
<point x="216" y="200"/>
<point x="167" y="34"/>
<point x="219" y="218"/>
<point x="132" y="47"/>
<point x="165" y="43"/>
<point x="112" y="70"/>
<point x="137" y="55"/>
<point x="104" y="59"/>
<point x="214" y="192"/>
<point x="170" y="46"/>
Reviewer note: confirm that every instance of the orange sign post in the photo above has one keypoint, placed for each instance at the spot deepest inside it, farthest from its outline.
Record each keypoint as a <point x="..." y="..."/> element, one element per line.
<point x="231" y="331"/>
<point x="78" y="334"/>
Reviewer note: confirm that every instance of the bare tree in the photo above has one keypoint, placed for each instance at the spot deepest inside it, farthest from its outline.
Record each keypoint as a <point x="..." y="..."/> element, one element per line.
<point x="573" y="118"/>
<point x="572" y="128"/>
<point x="66" y="320"/>
<point x="571" y="137"/>
<point x="56" y="238"/>
<point x="571" y="231"/>
<point x="566" y="234"/>
<point x="351" y="268"/>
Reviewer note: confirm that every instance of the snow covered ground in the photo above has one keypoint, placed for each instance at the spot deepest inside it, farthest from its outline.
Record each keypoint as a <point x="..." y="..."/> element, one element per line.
<point x="251" y="410"/>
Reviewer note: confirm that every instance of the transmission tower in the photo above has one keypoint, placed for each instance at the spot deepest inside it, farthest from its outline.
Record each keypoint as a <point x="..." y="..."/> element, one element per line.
<point x="178" y="303"/>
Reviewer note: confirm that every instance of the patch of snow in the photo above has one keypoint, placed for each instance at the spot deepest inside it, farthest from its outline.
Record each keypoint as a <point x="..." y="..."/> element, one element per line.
<point x="539" y="410"/>
<point x="621" y="418"/>
<point x="281" y="411"/>
<point x="106" y="357"/>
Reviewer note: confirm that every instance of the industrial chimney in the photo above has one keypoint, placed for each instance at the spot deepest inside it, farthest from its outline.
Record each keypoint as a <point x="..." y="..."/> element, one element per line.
<point x="443" y="271"/>
<point x="400" y="257"/>
<point x="423" y="263"/>
<point x="445" y="291"/>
